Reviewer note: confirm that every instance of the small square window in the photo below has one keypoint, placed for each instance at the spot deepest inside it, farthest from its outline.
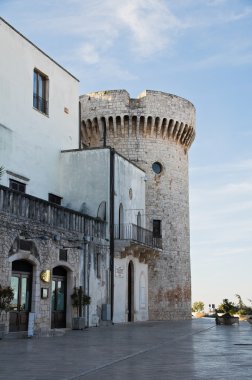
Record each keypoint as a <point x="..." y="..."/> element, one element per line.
<point x="16" y="185"/>
<point x="40" y="92"/>
<point x="25" y="245"/>
<point x="54" y="199"/>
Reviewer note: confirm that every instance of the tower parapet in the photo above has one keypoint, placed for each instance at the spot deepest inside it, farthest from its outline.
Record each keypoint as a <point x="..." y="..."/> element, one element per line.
<point x="152" y="113"/>
<point x="154" y="131"/>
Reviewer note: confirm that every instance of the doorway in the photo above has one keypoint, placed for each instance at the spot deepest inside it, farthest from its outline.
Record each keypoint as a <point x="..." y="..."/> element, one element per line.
<point x="130" y="292"/>
<point x="58" y="298"/>
<point x="21" y="283"/>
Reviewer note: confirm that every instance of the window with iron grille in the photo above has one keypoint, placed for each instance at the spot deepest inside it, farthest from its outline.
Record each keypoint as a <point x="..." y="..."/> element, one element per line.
<point x="157" y="232"/>
<point x="16" y="185"/>
<point x="40" y="92"/>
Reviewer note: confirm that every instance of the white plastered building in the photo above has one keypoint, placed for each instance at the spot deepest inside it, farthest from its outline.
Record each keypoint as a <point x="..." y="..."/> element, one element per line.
<point x="70" y="217"/>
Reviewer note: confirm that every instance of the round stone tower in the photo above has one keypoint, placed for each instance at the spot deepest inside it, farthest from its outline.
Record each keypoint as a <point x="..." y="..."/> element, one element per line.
<point x="155" y="132"/>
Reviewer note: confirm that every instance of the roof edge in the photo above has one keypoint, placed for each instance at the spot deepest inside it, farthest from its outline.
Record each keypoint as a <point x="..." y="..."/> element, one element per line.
<point x="41" y="51"/>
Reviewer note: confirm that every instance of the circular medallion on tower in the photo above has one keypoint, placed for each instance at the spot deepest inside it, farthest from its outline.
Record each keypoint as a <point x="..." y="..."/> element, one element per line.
<point x="157" y="167"/>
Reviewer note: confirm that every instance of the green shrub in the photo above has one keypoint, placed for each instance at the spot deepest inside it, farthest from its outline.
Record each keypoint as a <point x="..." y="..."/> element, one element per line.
<point x="6" y="297"/>
<point x="198" y="307"/>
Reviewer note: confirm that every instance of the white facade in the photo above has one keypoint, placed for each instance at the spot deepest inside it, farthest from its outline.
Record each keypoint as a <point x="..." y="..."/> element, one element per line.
<point x="129" y="191"/>
<point x="139" y="290"/>
<point x="30" y="141"/>
<point x="39" y="147"/>
<point x="85" y="184"/>
<point x="84" y="180"/>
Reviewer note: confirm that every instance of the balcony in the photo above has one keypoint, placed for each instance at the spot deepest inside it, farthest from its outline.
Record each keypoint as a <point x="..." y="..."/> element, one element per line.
<point x="25" y="206"/>
<point x="137" y="235"/>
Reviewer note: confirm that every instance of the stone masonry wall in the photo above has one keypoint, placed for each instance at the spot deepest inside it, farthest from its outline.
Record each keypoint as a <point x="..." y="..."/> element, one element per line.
<point x="45" y="255"/>
<point x="156" y="127"/>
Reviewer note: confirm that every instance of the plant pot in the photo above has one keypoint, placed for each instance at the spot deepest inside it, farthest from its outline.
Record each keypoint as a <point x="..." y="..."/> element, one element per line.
<point x="249" y="320"/>
<point x="198" y="314"/>
<point x="226" y="320"/>
<point x="78" y="323"/>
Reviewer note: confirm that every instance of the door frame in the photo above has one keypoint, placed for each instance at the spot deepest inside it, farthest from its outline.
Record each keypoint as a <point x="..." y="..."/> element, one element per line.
<point x="19" y="314"/>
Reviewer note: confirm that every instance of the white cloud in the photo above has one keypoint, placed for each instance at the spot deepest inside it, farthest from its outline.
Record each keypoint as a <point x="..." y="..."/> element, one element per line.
<point x="234" y="189"/>
<point x="225" y="167"/>
<point x="88" y="53"/>
<point x="140" y="28"/>
<point x="150" y="23"/>
<point x="221" y="210"/>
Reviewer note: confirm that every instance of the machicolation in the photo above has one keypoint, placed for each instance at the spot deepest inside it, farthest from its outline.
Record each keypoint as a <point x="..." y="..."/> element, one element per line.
<point x="154" y="131"/>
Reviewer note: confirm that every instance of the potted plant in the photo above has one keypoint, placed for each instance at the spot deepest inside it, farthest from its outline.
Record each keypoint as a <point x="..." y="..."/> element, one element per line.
<point x="79" y="299"/>
<point x="198" y="309"/>
<point x="227" y="310"/>
<point x="6" y="297"/>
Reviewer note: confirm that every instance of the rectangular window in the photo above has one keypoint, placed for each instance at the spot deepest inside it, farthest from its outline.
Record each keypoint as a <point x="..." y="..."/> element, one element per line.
<point x="16" y="185"/>
<point x="63" y="254"/>
<point x="97" y="264"/>
<point x="157" y="233"/>
<point x="54" y="199"/>
<point x="25" y="245"/>
<point x="40" y="92"/>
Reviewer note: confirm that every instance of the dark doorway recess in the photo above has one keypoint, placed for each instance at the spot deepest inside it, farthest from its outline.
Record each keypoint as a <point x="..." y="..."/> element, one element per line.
<point x="130" y="292"/>
<point x="59" y="286"/>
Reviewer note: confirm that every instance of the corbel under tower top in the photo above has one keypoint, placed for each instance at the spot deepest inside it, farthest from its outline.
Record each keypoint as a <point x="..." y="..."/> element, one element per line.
<point x="152" y="114"/>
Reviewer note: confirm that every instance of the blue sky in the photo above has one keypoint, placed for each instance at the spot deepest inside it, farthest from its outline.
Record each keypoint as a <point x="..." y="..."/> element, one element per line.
<point x="200" y="50"/>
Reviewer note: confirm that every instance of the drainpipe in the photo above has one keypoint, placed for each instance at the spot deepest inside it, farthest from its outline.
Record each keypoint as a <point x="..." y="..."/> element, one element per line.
<point x="104" y="133"/>
<point x="79" y="125"/>
<point x="111" y="225"/>
<point x="88" y="280"/>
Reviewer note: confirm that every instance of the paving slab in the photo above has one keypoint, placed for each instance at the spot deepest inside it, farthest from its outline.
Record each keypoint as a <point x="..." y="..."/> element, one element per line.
<point x="188" y="350"/>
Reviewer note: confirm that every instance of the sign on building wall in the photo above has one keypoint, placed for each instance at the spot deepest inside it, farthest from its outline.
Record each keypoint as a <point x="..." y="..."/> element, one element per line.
<point x="119" y="271"/>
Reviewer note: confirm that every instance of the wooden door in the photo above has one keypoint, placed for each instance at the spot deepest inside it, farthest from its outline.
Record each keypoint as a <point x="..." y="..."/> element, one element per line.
<point x="58" y="318"/>
<point x="21" y="281"/>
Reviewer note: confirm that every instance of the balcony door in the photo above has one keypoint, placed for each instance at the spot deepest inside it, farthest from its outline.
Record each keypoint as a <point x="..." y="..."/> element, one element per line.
<point x="59" y="286"/>
<point x="121" y="221"/>
<point x="139" y="230"/>
<point x="21" y="283"/>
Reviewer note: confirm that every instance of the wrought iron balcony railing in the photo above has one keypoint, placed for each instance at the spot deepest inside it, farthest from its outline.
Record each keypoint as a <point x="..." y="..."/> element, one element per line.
<point x="137" y="234"/>
<point x="26" y="206"/>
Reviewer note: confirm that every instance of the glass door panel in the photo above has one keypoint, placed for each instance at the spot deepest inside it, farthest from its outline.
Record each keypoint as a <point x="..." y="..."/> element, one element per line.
<point x="58" y="319"/>
<point x="14" y="285"/>
<point x="20" y="283"/>
<point x="61" y="296"/>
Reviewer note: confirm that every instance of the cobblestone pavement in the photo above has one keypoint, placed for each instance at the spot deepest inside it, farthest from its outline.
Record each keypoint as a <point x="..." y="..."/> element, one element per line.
<point x="172" y="350"/>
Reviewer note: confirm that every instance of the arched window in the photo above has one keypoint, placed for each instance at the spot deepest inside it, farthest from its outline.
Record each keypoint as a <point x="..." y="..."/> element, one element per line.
<point x="121" y="221"/>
